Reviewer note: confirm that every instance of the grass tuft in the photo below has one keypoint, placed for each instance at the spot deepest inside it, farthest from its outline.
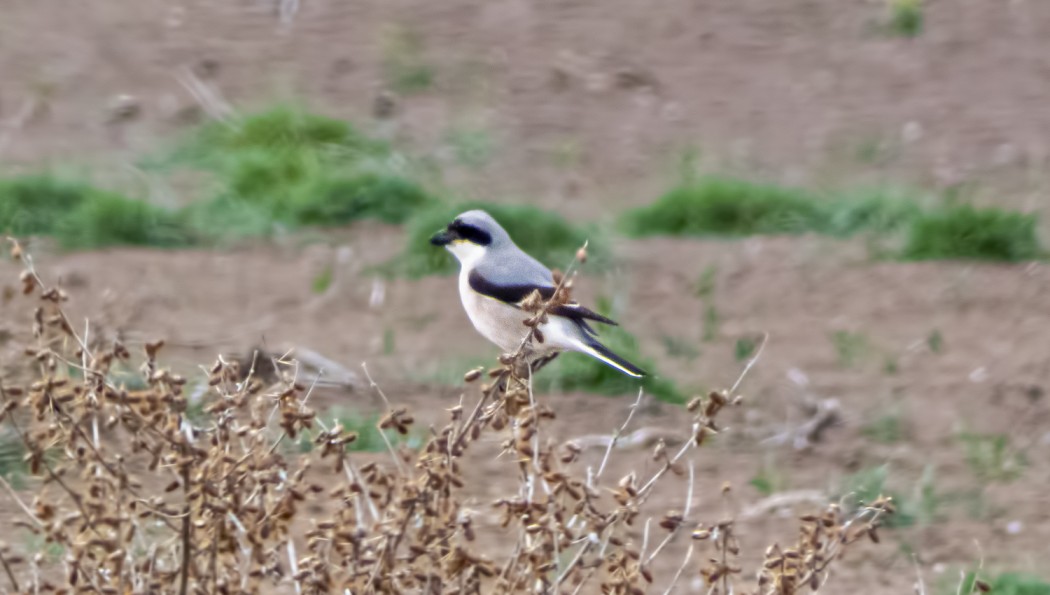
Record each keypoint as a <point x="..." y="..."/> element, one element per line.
<point x="81" y="216"/>
<point x="31" y="204"/>
<point x="286" y="168"/>
<point x="110" y="219"/>
<point x="876" y="209"/>
<point x="281" y="128"/>
<point x="965" y="232"/>
<point x="724" y="206"/>
<point x="906" y="17"/>
<point x="717" y="205"/>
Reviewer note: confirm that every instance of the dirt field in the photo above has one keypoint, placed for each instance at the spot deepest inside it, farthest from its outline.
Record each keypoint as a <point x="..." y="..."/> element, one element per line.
<point x="587" y="108"/>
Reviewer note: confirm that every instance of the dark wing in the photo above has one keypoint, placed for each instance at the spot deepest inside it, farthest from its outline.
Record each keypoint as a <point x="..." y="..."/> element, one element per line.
<point x="510" y="293"/>
<point x="511" y="284"/>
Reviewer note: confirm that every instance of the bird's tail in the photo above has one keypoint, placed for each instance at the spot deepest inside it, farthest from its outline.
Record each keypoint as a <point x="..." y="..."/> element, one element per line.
<point x="592" y="347"/>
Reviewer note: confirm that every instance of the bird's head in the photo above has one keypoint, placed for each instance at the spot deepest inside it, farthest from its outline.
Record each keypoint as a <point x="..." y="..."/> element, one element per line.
<point x="470" y="235"/>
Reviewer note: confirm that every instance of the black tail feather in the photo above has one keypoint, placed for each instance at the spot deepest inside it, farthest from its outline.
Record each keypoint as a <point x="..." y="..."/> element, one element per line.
<point x="606" y="355"/>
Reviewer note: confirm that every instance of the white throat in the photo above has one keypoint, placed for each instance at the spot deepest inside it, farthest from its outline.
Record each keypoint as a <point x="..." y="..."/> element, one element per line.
<point x="468" y="253"/>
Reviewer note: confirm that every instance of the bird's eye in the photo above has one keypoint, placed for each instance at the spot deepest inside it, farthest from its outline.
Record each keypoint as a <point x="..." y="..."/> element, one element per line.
<point x="471" y="234"/>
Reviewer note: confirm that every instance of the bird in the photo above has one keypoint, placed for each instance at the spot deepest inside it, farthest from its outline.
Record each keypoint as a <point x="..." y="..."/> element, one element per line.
<point x="496" y="276"/>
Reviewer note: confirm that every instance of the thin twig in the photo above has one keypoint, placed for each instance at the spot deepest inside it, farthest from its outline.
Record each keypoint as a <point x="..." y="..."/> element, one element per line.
<point x="187" y="529"/>
<point x="14" y="496"/>
<point x="10" y="574"/>
<point x="678" y="573"/>
<point x="920" y="585"/>
<point x="754" y="359"/>
<point x="618" y="433"/>
<point x="389" y="445"/>
<point x="685" y="519"/>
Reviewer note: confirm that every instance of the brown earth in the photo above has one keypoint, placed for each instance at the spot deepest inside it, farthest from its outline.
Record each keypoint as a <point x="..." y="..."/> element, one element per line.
<point x="587" y="107"/>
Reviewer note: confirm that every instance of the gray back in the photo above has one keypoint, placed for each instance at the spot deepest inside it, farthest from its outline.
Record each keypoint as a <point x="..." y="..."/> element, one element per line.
<point x="504" y="264"/>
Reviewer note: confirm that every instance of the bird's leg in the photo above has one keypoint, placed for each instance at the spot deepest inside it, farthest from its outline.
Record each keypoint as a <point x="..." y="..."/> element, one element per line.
<point x="533" y="362"/>
<point x="538" y="363"/>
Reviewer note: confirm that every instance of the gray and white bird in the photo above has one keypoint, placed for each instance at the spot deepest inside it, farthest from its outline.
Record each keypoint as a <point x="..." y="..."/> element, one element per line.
<point x="496" y="275"/>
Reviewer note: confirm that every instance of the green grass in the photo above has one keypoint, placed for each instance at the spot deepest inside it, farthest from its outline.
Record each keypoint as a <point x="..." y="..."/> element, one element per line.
<point x="871" y="209"/>
<point x="285" y="128"/>
<point x="263" y="173"/>
<point x="965" y="232"/>
<point x="724" y="206"/>
<point x="718" y="205"/>
<point x="32" y="204"/>
<point x="545" y="235"/>
<point x="906" y="17"/>
<point x="110" y="219"/>
<point x="285" y="168"/>
<point x="81" y="216"/>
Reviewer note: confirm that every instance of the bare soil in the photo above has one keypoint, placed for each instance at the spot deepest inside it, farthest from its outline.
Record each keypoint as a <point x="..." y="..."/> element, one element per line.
<point x="587" y="107"/>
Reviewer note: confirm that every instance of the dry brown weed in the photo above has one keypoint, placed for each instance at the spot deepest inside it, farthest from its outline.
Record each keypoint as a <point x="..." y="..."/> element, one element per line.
<point x="141" y="499"/>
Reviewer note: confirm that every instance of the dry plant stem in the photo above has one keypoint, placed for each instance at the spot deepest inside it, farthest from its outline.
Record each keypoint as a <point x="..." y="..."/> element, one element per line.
<point x="616" y="436"/>
<point x="74" y="496"/>
<point x="750" y="363"/>
<point x="678" y="573"/>
<point x="14" y="496"/>
<point x="572" y="565"/>
<point x="187" y="529"/>
<point x="390" y="447"/>
<point x="475" y="415"/>
<point x="645" y="539"/>
<point x="231" y="515"/>
<point x="690" y="443"/>
<point x="685" y="518"/>
<point x="920" y="585"/>
<point x="646" y="489"/>
<point x="10" y="574"/>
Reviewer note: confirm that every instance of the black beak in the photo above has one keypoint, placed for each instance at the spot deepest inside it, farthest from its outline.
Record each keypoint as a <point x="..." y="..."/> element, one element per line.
<point x="442" y="238"/>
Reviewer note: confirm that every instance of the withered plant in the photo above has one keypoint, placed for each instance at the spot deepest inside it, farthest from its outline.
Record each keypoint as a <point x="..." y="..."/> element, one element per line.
<point x="141" y="499"/>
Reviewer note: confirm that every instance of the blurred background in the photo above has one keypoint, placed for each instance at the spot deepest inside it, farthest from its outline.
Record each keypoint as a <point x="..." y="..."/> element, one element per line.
<point x="861" y="181"/>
